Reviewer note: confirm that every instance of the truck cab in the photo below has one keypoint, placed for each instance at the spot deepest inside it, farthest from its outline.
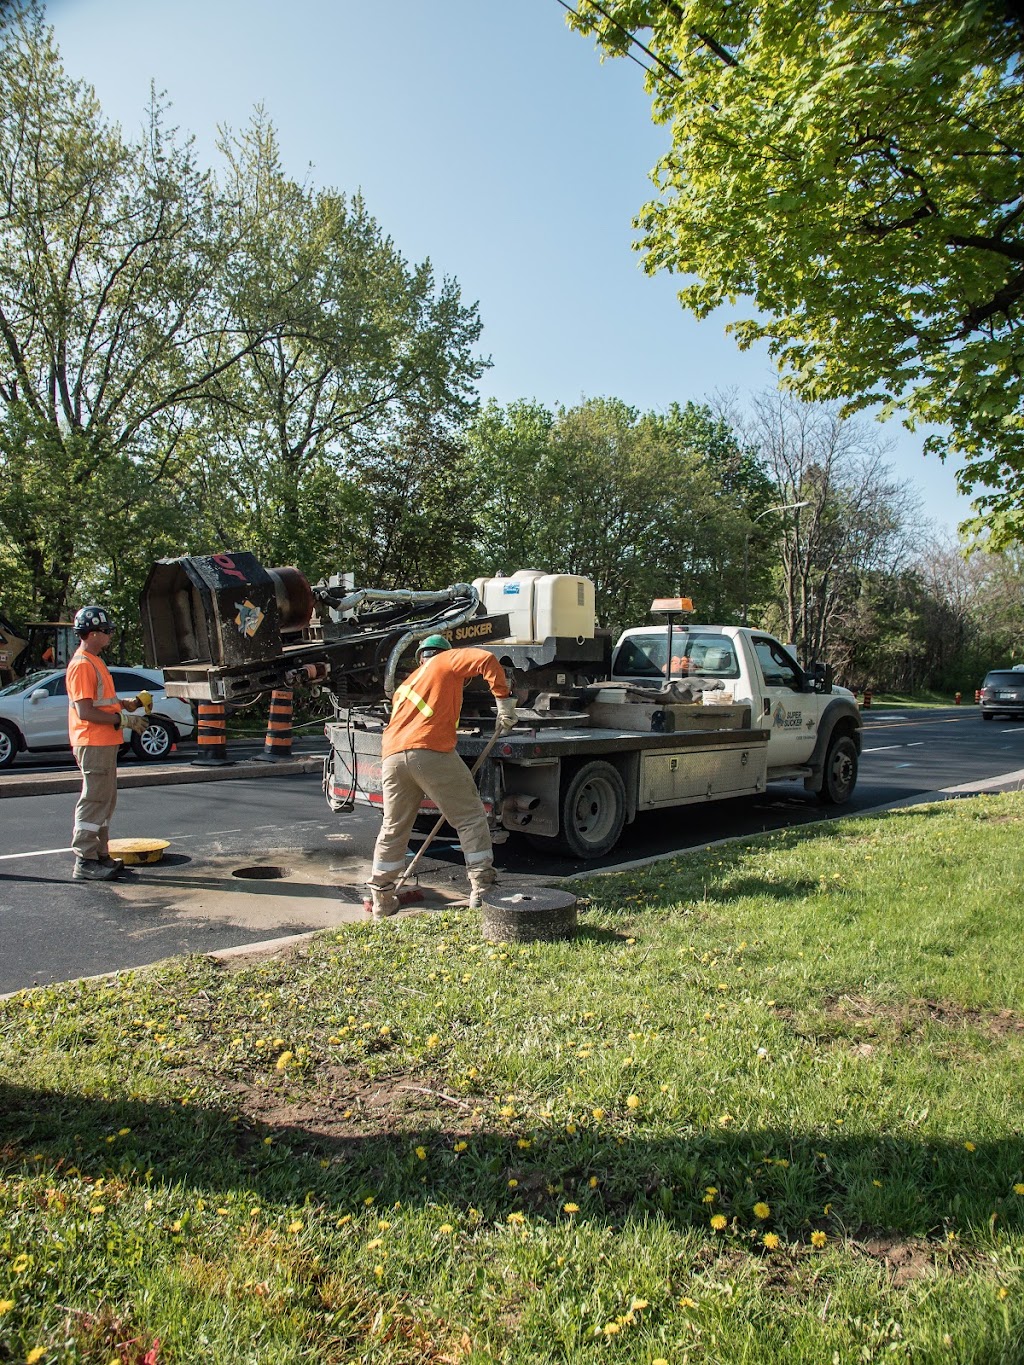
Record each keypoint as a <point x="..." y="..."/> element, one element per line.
<point x="804" y="715"/>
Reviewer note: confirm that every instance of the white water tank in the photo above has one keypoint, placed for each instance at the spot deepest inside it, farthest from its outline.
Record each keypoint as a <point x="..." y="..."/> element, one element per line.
<point x="563" y="604"/>
<point x="540" y="604"/>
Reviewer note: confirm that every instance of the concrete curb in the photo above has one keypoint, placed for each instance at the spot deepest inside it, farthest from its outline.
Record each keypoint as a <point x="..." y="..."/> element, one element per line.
<point x="42" y="784"/>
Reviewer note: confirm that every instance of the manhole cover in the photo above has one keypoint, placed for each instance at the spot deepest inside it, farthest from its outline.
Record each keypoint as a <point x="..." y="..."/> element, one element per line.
<point x="260" y="874"/>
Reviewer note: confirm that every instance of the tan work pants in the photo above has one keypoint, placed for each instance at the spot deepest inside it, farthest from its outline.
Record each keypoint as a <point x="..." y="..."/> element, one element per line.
<point x="98" y="763"/>
<point x="408" y="777"/>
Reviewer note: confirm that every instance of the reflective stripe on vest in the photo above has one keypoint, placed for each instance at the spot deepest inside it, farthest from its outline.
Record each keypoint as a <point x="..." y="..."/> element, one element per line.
<point x="405" y="693"/>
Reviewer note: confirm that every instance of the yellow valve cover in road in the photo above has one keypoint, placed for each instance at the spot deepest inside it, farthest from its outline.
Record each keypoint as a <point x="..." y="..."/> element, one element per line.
<point x="139" y="850"/>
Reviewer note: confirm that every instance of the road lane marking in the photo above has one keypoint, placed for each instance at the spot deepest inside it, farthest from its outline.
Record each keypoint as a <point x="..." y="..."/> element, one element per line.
<point x="36" y="853"/>
<point x="907" y="744"/>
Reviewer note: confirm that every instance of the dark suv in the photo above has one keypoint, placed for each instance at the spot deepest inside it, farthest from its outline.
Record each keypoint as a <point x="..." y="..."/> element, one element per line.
<point x="1002" y="693"/>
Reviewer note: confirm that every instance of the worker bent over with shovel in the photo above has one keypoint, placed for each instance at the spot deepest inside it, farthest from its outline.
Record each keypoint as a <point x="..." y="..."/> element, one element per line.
<point x="419" y="759"/>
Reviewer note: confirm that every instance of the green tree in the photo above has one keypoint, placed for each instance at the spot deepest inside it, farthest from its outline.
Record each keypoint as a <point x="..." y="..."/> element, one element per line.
<point x="849" y="516"/>
<point x="350" y="354"/>
<point x="110" y="253"/>
<point x="645" y="504"/>
<point x="855" y="171"/>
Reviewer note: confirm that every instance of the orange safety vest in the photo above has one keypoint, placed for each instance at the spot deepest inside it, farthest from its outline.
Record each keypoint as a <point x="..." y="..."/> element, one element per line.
<point x="426" y="707"/>
<point x="88" y="679"/>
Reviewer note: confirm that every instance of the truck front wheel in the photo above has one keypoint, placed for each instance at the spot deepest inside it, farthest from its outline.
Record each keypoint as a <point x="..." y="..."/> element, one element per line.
<point x="592" y="810"/>
<point x="840" y="775"/>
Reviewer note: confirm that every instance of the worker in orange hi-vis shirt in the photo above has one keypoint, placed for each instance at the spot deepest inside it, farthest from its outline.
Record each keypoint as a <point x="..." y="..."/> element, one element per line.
<point x="419" y="759"/>
<point x="96" y="721"/>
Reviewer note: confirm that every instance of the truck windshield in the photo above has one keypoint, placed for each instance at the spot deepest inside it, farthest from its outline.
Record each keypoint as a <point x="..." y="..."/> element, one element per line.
<point x="645" y="655"/>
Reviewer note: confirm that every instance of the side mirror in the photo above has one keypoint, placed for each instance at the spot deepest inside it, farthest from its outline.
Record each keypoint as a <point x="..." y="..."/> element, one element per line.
<point x="819" y="678"/>
<point x="38" y="694"/>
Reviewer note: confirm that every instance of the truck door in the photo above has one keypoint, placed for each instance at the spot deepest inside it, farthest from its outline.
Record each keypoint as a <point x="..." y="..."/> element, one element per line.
<point x="788" y="713"/>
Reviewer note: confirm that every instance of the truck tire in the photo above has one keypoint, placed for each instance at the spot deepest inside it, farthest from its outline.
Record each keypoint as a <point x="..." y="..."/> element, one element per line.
<point x="8" y="745"/>
<point x="592" y="810"/>
<point x="840" y="774"/>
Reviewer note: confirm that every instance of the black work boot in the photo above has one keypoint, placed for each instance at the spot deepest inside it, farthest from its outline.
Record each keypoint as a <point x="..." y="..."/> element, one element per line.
<point x="108" y="860"/>
<point x="92" y="870"/>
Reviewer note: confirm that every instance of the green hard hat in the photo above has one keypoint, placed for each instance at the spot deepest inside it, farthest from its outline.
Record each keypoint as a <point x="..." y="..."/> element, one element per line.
<point x="433" y="642"/>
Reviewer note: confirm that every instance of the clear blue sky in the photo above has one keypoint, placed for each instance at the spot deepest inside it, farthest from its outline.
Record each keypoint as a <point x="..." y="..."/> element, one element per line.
<point x="483" y="134"/>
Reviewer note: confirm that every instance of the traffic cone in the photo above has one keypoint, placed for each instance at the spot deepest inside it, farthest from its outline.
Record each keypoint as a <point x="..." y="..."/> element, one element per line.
<point x="278" y="742"/>
<point x="212" y="736"/>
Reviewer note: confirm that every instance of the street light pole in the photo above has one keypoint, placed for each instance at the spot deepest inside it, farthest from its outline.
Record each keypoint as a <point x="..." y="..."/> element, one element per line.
<point x="780" y="507"/>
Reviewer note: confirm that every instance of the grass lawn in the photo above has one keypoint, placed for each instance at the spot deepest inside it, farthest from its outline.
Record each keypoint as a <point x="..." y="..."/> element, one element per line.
<point x="766" y="1107"/>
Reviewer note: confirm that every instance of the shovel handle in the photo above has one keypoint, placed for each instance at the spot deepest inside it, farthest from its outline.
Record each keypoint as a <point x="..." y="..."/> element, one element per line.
<point x="431" y="836"/>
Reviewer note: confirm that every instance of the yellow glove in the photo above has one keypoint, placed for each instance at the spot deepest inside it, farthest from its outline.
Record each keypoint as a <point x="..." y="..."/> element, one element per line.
<point x="145" y="700"/>
<point x="130" y="721"/>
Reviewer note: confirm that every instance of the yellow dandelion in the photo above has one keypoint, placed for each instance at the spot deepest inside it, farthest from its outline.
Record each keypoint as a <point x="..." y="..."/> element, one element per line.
<point x="598" y="1115"/>
<point x="375" y="1243"/>
<point x="345" y="1218"/>
<point x="719" y="1222"/>
<point x="570" y="1128"/>
<point x="818" y="1239"/>
<point x="1004" y="1293"/>
<point x="516" y="1218"/>
<point x="421" y="1152"/>
<point x="523" y="1144"/>
<point x="378" y="1270"/>
<point x="610" y="1329"/>
<point x="762" y="1211"/>
<point x="593" y="1182"/>
<point x="970" y="1147"/>
<point x="513" y="1183"/>
<point x="687" y="1303"/>
<point x="446" y="1227"/>
<point x="36" y="1353"/>
<point x="638" y="1305"/>
<point x="295" y="1226"/>
<point x="507" y="1111"/>
<point x="632" y="1101"/>
<point x="20" y="1264"/>
<point x="5" y="1306"/>
<point x="433" y="1040"/>
<point x="771" y="1241"/>
<point x="461" y="1146"/>
<point x="659" y="1360"/>
<point x="571" y="1208"/>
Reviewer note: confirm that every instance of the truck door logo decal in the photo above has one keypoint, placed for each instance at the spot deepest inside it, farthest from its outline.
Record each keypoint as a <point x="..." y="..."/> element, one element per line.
<point x="786" y="720"/>
<point x="249" y="618"/>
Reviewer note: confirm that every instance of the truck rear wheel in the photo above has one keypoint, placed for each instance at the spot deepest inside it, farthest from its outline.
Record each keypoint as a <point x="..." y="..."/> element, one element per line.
<point x="840" y="776"/>
<point x="592" y="810"/>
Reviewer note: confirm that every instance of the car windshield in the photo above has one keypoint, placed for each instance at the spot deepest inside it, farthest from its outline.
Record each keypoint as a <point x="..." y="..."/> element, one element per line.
<point x="25" y="684"/>
<point x="1007" y="679"/>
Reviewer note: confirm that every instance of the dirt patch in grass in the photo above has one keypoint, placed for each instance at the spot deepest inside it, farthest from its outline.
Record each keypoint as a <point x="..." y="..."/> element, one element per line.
<point x="344" y="1105"/>
<point x="907" y="1259"/>
<point x="911" y="1016"/>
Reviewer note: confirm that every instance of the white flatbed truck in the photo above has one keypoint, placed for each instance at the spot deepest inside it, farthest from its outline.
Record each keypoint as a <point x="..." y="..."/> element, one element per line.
<point x="684" y="715"/>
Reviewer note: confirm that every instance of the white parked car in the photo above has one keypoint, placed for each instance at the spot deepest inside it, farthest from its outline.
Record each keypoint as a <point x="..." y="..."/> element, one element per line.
<point x="34" y="714"/>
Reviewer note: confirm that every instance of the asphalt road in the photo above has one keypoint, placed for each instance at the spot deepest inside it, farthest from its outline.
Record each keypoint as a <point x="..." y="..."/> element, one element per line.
<point x="212" y="890"/>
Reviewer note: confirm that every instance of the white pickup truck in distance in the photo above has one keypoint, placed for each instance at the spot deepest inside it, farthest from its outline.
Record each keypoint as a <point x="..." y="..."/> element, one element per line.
<point x="704" y="714"/>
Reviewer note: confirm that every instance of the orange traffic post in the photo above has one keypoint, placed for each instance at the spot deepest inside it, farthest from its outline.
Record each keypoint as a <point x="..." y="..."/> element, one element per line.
<point x="278" y="743"/>
<point x="212" y="736"/>
<point x="867" y="698"/>
<point x="956" y="699"/>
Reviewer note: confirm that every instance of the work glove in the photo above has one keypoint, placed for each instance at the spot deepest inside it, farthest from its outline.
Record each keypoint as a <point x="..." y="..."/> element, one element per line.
<point x="145" y="700"/>
<point x="129" y="721"/>
<point x="506" y="714"/>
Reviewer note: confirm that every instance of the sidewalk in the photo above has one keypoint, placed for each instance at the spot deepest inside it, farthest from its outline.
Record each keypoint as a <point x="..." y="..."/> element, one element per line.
<point x="15" y="783"/>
